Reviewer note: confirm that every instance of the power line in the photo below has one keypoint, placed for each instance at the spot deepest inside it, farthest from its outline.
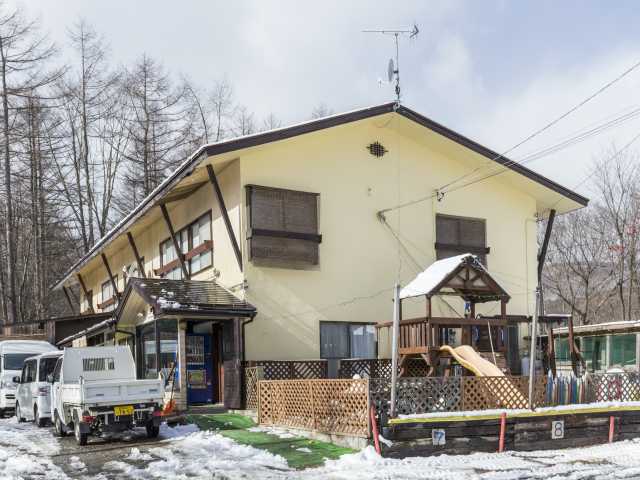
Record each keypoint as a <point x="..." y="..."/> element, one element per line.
<point x="540" y="154"/>
<point x="551" y="124"/>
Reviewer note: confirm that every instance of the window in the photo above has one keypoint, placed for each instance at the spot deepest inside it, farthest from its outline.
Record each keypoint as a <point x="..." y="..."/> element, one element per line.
<point x="347" y="340"/>
<point x="15" y="361"/>
<point x="47" y="365"/>
<point x="594" y="350"/>
<point x="623" y="350"/>
<point x="108" y="296"/>
<point x="283" y="227"/>
<point x="98" y="364"/>
<point x="148" y="360"/>
<point x="195" y="245"/>
<point x="168" y="331"/>
<point x="88" y="300"/>
<point x="57" y="370"/>
<point x="458" y="235"/>
<point x="28" y="372"/>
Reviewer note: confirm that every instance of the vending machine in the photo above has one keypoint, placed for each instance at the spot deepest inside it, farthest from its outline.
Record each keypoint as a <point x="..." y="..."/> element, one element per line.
<point x="199" y="368"/>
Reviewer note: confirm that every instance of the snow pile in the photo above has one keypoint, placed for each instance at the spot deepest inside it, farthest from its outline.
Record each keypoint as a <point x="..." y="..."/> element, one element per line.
<point x="177" y="431"/>
<point x="278" y="432"/>
<point x="25" y="450"/>
<point x="202" y="454"/>
<point x="137" y="455"/>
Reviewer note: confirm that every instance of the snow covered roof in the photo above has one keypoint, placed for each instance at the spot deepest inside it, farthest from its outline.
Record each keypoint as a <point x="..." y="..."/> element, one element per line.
<point x="189" y="296"/>
<point x="620" y="326"/>
<point x="449" y="273"/>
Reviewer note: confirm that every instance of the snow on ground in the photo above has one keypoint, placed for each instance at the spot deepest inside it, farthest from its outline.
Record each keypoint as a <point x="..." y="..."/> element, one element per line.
<point x="184" y="453"/>
<point x="25" y="452"/>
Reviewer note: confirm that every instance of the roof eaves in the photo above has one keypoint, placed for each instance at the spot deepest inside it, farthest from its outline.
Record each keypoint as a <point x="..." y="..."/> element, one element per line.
<point x="490" y="154"/>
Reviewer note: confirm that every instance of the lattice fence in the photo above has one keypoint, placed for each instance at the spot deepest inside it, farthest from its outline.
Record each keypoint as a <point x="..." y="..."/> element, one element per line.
<point x="251" y="377"/>
<point x="451" y="394"/>
<point x="482" y="393"/>
<point x="278" y="370"/>
<point x="329" y="406"/>
<point x="418" y="394"/>
<point x="379" y="368"/>
<point x="620" y="387"/>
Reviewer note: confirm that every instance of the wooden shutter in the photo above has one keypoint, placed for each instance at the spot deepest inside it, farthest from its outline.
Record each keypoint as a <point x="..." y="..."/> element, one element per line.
<point x="457" y="235"/>
<point x="283" y="226"/>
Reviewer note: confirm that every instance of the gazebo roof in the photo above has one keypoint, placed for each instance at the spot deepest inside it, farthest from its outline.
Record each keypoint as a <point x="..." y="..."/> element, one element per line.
<point x="462" y="275"/>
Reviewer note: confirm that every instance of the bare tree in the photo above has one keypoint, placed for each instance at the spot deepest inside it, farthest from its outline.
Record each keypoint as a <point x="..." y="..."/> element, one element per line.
<point x="321" y="110"/>
<point x="24" y="57"/>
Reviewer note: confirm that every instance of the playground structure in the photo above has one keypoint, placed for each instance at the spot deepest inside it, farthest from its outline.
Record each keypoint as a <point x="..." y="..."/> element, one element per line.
<point x="428" y="337"/>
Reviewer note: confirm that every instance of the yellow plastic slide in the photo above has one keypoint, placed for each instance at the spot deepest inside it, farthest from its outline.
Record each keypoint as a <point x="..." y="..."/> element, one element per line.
<point x="508" y="394"/>
<point x="466" y="356"/>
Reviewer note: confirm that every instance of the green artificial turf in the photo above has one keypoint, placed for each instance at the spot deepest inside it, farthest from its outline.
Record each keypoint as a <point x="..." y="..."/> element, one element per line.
<point x="236" y="427"/>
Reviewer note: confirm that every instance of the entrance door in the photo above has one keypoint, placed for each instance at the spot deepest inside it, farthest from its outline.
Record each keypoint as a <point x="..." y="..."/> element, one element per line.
<point x="199" y="368"/>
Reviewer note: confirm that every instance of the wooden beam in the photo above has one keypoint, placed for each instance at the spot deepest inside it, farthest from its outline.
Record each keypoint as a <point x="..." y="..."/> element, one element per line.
<point x="86" y="292"/>
<point x="225" y="215"/>
<point x="137" y="255"/>
<point x="114" y="285"/>
<point x="542" y="255"/>
<point x="66" y="294"/>
<point x="176" y="245"/>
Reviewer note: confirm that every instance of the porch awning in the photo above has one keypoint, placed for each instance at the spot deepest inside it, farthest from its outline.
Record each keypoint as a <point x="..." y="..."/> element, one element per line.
<point x="189" y="298"/>
<point x="462" y="275"/>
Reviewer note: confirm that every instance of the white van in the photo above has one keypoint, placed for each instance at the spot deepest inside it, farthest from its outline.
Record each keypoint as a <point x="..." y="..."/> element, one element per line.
<point x="33" y="395"/>
<point x="12" y="356"/>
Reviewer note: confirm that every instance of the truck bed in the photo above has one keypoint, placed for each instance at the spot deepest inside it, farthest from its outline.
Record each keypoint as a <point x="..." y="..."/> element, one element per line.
<point x="112" y="392"/>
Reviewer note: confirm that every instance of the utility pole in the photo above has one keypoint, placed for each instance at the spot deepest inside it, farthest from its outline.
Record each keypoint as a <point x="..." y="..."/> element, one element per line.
<point x="394" y="346"/>
<point x="532" y="351"/>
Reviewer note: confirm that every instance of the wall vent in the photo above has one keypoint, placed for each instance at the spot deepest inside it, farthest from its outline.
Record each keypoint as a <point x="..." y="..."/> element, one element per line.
<point x="376" y="149"/>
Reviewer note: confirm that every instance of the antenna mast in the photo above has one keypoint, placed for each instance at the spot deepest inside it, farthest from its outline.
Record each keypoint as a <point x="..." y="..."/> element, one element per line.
<point x="394" y="72"/>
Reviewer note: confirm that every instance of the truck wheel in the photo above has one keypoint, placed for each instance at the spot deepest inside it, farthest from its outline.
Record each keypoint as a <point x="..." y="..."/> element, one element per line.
<point x="19" y="413"/>
<point x="57" y="425"/>
<point x="81" y="438"/>
<point x="40" y="422"/>
<point x="152" y="430"/>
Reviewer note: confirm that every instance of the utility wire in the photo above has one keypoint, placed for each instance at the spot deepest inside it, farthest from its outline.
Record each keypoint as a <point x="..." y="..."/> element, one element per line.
<point x="550" y="124"/>
<point x="442" y="190"/>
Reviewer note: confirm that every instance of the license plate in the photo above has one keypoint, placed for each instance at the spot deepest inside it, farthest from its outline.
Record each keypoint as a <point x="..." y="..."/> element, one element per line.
<point x="123" y="411"/>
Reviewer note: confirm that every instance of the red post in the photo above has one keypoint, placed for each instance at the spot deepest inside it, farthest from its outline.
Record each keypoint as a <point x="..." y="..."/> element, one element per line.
<point x="374" y="428"/>
<point x="611" y="428"/>
<point x="503" y="428"/>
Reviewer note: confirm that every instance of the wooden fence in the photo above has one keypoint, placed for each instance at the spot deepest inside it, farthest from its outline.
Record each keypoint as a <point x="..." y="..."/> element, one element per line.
<point x="453" y="394"/>
<point x="278" y="370"/>
<point x="379" y="368"/>
<point x="331" y="406"/>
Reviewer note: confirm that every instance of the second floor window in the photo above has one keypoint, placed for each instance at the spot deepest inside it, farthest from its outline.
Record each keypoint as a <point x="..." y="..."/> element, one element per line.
<point x="108" y="296"/>
<point x="283" y="227"/>
<point x="195" y="244"/>
<point x="458" y="235"/>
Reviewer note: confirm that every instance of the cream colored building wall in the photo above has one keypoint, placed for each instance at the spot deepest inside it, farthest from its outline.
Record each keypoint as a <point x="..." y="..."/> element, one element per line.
<point x="181" y="213"/>
<point x="359" y="258"/>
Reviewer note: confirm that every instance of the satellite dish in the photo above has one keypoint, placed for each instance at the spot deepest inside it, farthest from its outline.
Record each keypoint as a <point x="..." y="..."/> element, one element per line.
<point x="390" y="70"/>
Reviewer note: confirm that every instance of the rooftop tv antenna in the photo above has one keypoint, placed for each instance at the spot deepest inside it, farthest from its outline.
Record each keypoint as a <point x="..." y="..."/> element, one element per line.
<point x="393" y="70"/>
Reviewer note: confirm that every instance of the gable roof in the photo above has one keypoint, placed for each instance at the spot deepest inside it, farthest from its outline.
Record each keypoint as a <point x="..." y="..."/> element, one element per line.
<point x="462" y="274"/>
<point x="253" y="140"/>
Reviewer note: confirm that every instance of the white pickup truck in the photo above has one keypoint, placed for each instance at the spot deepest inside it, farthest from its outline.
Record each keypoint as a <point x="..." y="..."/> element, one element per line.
<point x="95" y="392"/>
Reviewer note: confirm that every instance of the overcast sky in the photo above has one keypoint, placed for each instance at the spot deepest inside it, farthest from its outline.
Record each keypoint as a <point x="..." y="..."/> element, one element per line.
<point x="494" y="71"/>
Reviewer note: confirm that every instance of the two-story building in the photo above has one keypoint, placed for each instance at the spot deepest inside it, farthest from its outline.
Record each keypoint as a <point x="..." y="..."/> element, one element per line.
<point x="286" y="244"/>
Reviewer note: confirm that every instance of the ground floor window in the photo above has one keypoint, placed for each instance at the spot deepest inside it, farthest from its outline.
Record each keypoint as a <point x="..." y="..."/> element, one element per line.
<point x="148" y="361"/>
<point x="347" y="340"/>
<point x="623" y="350"/>
<point x="158" y="350"/>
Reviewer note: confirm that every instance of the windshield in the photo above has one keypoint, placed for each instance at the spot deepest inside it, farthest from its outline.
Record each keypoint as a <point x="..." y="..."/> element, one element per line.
<point x="46" y="367"/>
<point x="14" y="361"/>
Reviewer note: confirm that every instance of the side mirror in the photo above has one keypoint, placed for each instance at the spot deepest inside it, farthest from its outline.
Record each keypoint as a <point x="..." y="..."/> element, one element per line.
<point x="16" y="379"/>
<point x="50" y="378"/>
